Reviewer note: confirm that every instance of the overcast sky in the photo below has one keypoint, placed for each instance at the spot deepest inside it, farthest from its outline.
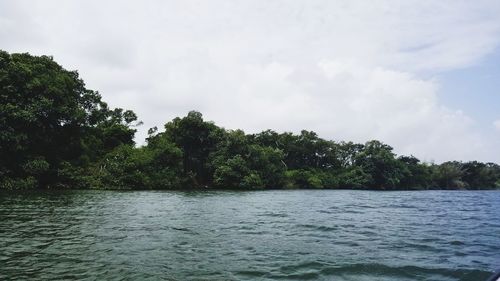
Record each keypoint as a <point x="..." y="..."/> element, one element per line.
<point x="422" y="76"/>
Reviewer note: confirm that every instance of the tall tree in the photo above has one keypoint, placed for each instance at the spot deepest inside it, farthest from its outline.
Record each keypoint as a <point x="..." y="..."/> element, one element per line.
<point x="49" y="120"/>
<point x="197" y="139"/>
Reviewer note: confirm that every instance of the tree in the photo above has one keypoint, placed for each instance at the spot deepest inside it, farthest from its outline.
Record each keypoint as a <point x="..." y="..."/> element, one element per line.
<point x="479" y="175"/>
<point x="449" y="175"/>
<point x="347" y="153"/>
<point x="156" y="166"/>
<point x="267" y="163"/>
<point x="197" y="139"/>
<point x="354" y="177"/>
<point x="378" y="160"/>
<point x="304" y="179"/>
<point x="416" y="175"/>
<point x="54" y="132"/>
<point x="49" y="120"/>
<point x="239" y="163"/>
<point x="231" y="173"/>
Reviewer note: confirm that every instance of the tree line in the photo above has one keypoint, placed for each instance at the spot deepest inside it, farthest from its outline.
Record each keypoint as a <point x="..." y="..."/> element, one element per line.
<point x="56" y="133"/>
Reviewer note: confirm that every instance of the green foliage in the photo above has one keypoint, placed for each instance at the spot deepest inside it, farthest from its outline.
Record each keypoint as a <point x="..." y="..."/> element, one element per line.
<point x="416" y="175"/>
<point x="237" y="163"/>
<point x="126" y="167"/>
<point x="354" y="177"/>
<point x="36" y="166"/>
<point x="18" y="184"/>
<point x="252" y="181"/>
<point x="303" y="179"/>
<point x="267" y="162"/>
<point x="449" y="175"/>
<point x="378" y="160"/>
<point x="197" y="139"/>
<point x="47" y="118"/>
<point x="304" y="151"/>
<point x="479" y="175"/>
<point x="56" y="133"/>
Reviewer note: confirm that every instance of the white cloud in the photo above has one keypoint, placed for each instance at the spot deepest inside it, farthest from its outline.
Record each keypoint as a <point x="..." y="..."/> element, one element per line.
<point x="347" y="69"/>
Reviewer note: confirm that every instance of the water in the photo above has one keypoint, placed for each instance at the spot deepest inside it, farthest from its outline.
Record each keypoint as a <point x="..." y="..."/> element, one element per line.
<point x="262" y="235"/>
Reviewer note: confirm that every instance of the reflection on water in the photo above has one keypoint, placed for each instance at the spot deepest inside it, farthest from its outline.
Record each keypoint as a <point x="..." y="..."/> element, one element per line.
<point x="264" y="235"/>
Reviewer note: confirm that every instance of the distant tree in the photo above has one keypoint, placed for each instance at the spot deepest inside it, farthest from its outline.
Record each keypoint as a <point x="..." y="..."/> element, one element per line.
<point x="416" y="175"/>
<point x="155" y="166"/>
<point x="197" y="139"/>
<point x="232" y="172"/>
<point x="378" y="160"/>
<point x="267" y="163"/>
<point x="54" y="133"/>
<point x="267" y="138"/>
<point x="449" y="175"/>
<point x="304" y="179"/>
<point x="354" y="177"/>
<point x="348" y="152"/>
<point x="237" y="162"/>
<point x="479" y="175"/>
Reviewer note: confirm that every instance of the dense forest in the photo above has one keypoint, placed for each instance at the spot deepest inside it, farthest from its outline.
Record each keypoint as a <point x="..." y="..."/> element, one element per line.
<point x="56" y="133"/>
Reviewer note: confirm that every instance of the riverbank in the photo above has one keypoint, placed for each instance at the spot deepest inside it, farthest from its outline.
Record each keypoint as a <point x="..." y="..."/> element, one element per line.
<point x="56" y="133"/>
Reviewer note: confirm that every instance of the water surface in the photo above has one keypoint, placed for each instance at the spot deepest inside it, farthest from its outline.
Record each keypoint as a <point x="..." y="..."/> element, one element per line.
<point x="262" y="235"/>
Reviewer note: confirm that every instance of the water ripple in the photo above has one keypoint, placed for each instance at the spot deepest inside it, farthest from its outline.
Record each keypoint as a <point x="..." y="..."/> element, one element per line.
<point x="267" y="235"/>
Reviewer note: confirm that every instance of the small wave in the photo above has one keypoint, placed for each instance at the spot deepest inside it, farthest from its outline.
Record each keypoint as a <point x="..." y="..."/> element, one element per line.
<point x="314" y="270"/>
<point x="348" y="243"/>
<point x="351" y="211"/>
<point x="298" y="276"/>
<point x="401" y="206"/>
<point x="183" y="229"/>
<point x="317" y="227"/>
<point x="422" y="247"/>
<point x="305" y="265"/>
<point x="277" y="215"/>
<point x="302" y="271"/>
<point x="412" y="272"/>
<point x="252" y="273"/>
<point x="368" y="233"/>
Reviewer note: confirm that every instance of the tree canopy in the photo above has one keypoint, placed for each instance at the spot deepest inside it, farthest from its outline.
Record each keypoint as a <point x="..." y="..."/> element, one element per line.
<point x="56" y="133"/>
<point x="50" y="123"/>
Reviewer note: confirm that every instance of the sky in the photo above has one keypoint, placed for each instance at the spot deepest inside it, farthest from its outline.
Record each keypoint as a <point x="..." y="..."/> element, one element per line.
<point x="422" y="76"/>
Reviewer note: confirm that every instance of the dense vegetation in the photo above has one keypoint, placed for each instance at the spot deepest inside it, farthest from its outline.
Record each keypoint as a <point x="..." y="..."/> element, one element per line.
<point x="55" y="133"/>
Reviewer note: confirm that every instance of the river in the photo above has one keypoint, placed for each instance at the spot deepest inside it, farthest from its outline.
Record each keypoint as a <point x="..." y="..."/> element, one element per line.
<point x="259" y="235"/>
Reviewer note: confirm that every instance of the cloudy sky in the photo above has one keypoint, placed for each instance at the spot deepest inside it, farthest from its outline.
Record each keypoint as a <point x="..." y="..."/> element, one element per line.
<point x="423" y="76"/>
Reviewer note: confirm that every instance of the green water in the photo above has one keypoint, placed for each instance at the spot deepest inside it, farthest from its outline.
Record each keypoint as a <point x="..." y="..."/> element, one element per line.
<point x="262" y="235"/>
